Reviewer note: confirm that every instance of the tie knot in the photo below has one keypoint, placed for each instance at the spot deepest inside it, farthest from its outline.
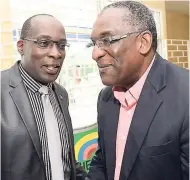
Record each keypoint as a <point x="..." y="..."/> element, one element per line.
<point x="43" y="90"/>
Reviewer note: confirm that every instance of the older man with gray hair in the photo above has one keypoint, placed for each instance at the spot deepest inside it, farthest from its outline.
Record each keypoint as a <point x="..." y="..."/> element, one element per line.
<point x="143" y="114"/>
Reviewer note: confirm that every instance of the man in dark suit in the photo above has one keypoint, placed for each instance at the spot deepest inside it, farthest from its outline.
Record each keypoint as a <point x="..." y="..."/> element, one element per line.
<point x="143" y="114"/>
<point x="37" y="136"/>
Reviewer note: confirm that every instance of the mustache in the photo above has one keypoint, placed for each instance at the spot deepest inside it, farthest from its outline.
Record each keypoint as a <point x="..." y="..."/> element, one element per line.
<point x="104" y="65"/>
<point x="53" y="65"/>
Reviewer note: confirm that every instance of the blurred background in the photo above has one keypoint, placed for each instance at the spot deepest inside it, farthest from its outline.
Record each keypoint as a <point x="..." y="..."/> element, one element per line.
<point x="79" y="74"/>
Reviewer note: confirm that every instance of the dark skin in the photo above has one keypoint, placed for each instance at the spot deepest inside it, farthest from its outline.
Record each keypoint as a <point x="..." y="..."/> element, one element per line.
<point x="43" y="65"/>
<point x="125" y="61"/>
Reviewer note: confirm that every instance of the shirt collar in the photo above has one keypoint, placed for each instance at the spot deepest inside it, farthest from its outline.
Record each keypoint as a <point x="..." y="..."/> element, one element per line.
<point x="130" y="97"/>
<point x="32" y="84"/>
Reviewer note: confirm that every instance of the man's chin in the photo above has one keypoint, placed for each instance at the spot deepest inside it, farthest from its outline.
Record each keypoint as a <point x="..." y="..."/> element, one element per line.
<point x="108" y="81"/>
<point x="48" y="79"/>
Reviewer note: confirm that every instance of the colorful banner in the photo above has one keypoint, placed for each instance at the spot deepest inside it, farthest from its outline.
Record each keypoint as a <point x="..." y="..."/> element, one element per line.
<point x="85" y="145"/>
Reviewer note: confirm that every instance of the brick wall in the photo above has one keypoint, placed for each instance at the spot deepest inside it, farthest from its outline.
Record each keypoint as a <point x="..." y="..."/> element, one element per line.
<point x="177" y="52"/>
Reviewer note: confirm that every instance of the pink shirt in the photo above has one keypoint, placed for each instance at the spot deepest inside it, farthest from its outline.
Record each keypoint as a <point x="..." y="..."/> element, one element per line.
<point x="128" y="100"/>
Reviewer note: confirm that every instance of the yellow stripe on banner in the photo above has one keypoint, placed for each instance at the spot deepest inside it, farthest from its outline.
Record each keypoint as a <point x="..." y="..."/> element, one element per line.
<point x="83" y="140"/>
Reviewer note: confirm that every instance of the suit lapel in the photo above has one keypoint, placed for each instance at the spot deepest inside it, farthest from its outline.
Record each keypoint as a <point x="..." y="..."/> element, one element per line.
<point x="111" y="124"/>
<point x="22" y="103"/>
<point x="148" y="104"/>
<point x="63" y="102"/>
<point x="62" y="99"/>
<point x="143" y="116"/>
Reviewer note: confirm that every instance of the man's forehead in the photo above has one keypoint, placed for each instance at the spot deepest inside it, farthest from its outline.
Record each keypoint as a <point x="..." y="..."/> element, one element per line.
<point x="42" y="19"/>
<point x="108" y="22"/>
<point x="47" y="26"/>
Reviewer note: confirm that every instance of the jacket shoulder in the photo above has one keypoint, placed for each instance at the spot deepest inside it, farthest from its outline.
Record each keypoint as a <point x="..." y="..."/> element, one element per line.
<point x="105" y="94"/>
<point x="4" y="74"/>
<point x="178" y="77"/>
<point x="5" y="78"/>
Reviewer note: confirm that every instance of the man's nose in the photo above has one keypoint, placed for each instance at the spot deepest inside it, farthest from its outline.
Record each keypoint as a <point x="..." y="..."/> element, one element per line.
<point x="55" y="52"/>
<point x="97" y="53"/>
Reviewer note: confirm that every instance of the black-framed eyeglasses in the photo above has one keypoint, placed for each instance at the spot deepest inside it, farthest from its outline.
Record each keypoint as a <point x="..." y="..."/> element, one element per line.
<point x="48" y="43"/>
<point x="107" y="41"/>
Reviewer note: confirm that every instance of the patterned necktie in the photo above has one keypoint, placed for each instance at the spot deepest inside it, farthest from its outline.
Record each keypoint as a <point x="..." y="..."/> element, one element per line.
<point x="53" y="136"/>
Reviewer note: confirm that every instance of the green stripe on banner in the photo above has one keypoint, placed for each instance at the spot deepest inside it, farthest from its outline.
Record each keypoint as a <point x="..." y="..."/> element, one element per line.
<point x="78" y="136"/>
<point x="85" y="141"/>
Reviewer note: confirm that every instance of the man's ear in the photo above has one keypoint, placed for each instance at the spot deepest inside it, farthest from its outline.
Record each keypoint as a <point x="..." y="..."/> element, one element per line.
<point x="146" y="42"/>
<point x="20" y="47"/>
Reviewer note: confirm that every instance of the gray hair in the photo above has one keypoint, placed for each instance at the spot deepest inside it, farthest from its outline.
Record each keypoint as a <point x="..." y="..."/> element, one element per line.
<point x="138" y="16"/>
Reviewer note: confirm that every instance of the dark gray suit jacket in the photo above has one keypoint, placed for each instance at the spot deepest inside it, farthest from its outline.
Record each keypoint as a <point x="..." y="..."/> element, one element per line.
<point x="21" y="154"/>
<point x="157" y="147"/>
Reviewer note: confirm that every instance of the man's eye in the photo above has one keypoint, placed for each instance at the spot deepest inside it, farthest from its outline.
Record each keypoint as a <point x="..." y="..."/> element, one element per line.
<point x="43" y="43"/>
<point x="62" y="46"/>
<point x="106" y="41"/>
<point x="113" y="41"/>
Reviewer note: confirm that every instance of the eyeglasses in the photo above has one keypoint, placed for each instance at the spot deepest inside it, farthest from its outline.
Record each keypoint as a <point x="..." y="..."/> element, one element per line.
<point x="48" y="43"/>
<point x="107" y="41"/>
